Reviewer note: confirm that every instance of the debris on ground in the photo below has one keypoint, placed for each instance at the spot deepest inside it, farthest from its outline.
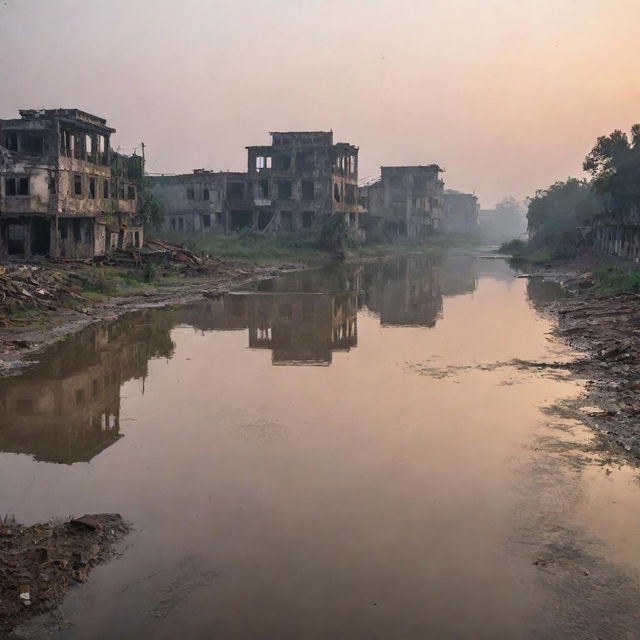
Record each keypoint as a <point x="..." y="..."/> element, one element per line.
<point x="39" y="563"/>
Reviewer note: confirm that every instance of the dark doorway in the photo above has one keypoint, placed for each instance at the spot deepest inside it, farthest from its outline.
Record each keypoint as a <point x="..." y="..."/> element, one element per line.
<point x="264" y="217"/>
<point x="16" y="239"/>
<point x="241" y="220"/>
<point x="40" y="236"/>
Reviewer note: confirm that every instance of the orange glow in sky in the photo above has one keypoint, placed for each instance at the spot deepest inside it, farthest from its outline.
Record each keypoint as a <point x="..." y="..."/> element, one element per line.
<point x="506" y="95"/>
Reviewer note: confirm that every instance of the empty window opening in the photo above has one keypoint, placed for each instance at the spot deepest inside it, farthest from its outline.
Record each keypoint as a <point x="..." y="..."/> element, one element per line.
<point x="32" y="143"/>
<point x="105" y="189"/>
<point x="40" y="236"/>
<point x="190" y="194"/>
<point x="120" y="192"/>
<point x="284" y="162"/>
<point x="92" y="188"/>
<point x="53" y="186"/>
<point x="206" y="220"/>
<point x="11" y="140"/>
<point x="173" y="223"/>
<point x="77" y="230"/>
<point x="263" y="162"/>
<point x="181" y="224"/>
<point x="350" y="194"/>
<point x="336" y="192"/>
<point x="264" y="218"/>
<point x="284" y="190"/>
<point x="131" y="192"/>
<point x="264" y="188"/>
<point x="77" y="146"/>
<point x="77" y="185"/>
<point x="88" y="146"/>
<point x="16" y="238"/>
<point x="308" y="190"/>
<point x="218" y="218"/>
<point x="235" y="190"/>
<point x="205" y="194"/>
<point x="62" y="228"/>
<point x="307" y="219"/>
<point x="136" y="238"/>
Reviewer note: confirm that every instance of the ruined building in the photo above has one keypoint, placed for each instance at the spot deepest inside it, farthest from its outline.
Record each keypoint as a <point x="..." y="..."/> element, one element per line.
<point x="405" y="201"/>
<point x="462" y="211"/>
<point x="63" y="192"/>
<point x="293" y="184"/>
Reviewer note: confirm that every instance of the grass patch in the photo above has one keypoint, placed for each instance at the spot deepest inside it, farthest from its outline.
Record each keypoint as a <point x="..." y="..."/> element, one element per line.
<point x="250" y="245"/>
<point x="616" y="279"/>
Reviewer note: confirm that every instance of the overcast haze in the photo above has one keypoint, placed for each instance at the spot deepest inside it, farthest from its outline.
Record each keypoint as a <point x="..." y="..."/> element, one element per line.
<point x="506" y="95"/>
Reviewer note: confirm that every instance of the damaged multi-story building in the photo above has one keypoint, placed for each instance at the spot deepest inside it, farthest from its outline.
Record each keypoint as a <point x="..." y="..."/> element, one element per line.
<point x="63" y="191"/>
<point x="462" y="211"/>
<point x="293" y="184"/>
<point x="405" y="201"/>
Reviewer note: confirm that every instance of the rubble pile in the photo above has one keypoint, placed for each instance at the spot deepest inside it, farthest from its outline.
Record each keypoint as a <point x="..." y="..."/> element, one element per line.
<point x="34" y="284"/>
<point x="608" y="328"/>
<point x="39" y="563"/>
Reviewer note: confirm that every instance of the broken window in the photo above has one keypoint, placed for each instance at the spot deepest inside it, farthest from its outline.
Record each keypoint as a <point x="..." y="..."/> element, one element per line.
<point x="307" y="219"/>
<point x="308" y="190"/>
<point x="32" y="143"/>
<point x="206" y="220"/>
<point x="283" y="162"/>
<point x="16" y="186"/>
<point x="336" y="192"/>
<point x="284" y="189"/>
<point x="205" y="194"/>
<point x="264" y="188"/>
<point x="190" y="194"/>
<point x="77" y="185"/>
<point x="11" y="140"/>
<point x="92" y="188"/>
<point x="235" y="190"/>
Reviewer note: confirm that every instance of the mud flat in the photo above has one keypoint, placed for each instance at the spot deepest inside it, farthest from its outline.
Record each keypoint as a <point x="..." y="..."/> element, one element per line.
<point x="606" y="329"/>
<point x="39" y="563"/>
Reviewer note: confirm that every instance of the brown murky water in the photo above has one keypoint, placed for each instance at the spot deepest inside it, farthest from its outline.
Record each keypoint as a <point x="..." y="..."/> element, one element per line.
<point x="347" y="453"/>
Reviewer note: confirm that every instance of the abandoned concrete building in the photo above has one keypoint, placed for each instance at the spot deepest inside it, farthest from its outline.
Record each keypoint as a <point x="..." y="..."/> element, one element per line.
<point x="204" y="201"/>
<point x="462" y="211"/>
<point x="58" y="194"/>
<point x="291" y="185"/>
<point x="301" y="179"/>
<point x="405" y="201"/>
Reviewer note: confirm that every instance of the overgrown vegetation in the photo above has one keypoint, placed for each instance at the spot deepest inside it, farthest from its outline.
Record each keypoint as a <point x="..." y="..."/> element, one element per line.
<point x="616" y="279"/>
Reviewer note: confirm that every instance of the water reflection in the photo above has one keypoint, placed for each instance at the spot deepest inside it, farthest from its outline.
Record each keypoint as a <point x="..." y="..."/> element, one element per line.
<point x="66" y="409"/>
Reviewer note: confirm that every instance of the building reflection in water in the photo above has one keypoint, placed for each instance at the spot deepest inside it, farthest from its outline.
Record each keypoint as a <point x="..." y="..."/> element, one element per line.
<point x="66" y="409"/>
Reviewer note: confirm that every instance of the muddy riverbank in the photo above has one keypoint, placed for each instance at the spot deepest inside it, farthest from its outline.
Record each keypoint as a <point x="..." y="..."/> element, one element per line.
<point x="24" y="336"/>
<point x="605" y="329"/>
<point x="39" y="563"/>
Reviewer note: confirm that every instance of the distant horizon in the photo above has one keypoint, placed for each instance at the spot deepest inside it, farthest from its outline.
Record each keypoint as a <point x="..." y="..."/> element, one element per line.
<point x="506" y="97"/>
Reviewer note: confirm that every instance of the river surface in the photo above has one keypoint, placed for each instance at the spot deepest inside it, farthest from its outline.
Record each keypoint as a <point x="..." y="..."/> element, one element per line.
<point x="352" y="453"/>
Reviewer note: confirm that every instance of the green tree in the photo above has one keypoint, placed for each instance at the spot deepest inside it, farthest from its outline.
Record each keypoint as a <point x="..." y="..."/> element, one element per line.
<point x="555" y="213"/>
<point x="614" y="166"/>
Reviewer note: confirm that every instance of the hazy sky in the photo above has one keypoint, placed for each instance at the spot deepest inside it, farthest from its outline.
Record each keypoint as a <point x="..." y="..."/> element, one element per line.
<point x="506" y="95"/>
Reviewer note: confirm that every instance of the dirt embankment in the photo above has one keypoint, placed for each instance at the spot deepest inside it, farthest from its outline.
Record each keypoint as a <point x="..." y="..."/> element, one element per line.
<point x="38" y="564"/>
<point x="606" y="329"/>
<point x="45" y="302"/>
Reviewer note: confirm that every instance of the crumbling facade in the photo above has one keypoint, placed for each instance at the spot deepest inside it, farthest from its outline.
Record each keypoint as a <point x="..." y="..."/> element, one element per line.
<point x="59" y="196"/>
<point x="301" y="179"/>
<point x="294" y="184"/>
<point x="462" y="211"/>
<point x="406" y="201"/>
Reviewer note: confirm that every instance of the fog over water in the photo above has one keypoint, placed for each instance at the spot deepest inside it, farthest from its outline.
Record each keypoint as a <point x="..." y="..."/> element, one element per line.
<point x="506" y="96"/>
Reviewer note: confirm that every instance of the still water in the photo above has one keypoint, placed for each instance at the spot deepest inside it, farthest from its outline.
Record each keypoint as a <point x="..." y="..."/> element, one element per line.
<point x="348" y="453"/>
